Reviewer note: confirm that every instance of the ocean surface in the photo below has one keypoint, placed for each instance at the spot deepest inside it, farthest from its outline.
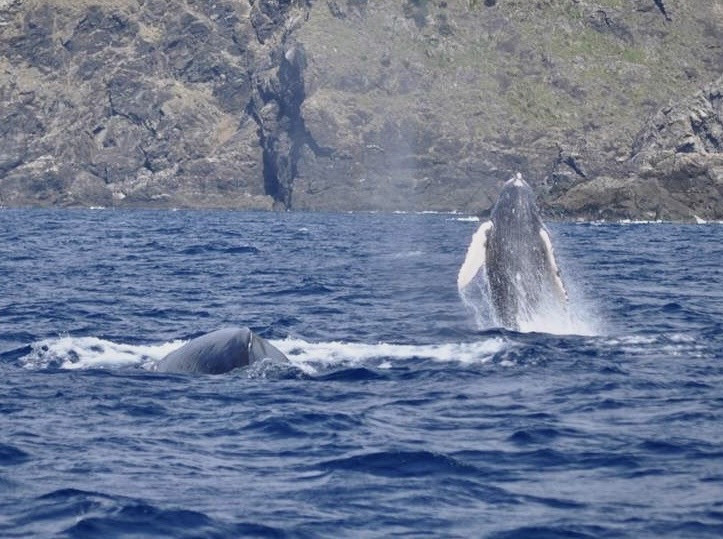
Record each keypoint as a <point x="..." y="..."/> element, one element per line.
<point x="399" y="414"/>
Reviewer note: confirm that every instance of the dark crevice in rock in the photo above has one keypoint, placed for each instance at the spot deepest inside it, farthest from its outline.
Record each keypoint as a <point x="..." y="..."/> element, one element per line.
<point x="9" y="166"/>
<point x="663" y="9"/>
<point x="574" y="165"/>
<point x="272" y="186"/>
<point x="284" y="136"/>
<point x="335" y="10"/>
<point x="277" y="96"/>
<point x="572" y="160"/>
<point x="147" y="163"/>
<point x="293" y="94"/>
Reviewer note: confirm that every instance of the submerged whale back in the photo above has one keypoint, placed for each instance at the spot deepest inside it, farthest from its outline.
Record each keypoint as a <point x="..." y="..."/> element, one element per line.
<point x="218" y="352"/>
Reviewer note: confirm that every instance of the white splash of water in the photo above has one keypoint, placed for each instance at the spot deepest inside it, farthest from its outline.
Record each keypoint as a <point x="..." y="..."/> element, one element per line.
<point x="571" y="317"/>
<point x="476" y="299"/>
<point x="466" y="219"/>
<point x="562" y="311"/>
<point x="94" y="353"/>
<point x="311" y="358"/>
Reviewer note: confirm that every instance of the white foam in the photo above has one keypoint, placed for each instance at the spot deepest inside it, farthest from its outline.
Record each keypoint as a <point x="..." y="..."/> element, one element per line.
<point x="639" y="222"/>
<point x="94" y="353"/>
<point x="670" y="345"/>
<point x="476" y="299"/>
<point x="602" y="222"/>
<point x="468" y="219"/>
<point x="312" y="357"/>
<point x="406" y="254"/>
<point x="632" y="340"/>
<point x="556" y="321"/>
<point x="571" y="315"/>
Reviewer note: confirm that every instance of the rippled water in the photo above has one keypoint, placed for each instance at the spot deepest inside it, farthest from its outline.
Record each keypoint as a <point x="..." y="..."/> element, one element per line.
<point x="396" y="414"/>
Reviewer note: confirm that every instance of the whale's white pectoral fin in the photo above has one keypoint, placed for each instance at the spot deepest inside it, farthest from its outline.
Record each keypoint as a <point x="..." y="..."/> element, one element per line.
<point x="476" y="254"/>
<point x="554" y="270"/>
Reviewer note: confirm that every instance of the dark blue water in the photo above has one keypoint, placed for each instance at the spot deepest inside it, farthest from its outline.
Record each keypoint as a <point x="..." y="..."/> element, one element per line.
<point x="397" y="416"/>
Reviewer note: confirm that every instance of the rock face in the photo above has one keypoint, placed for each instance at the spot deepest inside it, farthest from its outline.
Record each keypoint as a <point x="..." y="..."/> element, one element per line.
<point x="363" y="104"/>
<point x="676" y="168"/>
<point x="150" y="103"/>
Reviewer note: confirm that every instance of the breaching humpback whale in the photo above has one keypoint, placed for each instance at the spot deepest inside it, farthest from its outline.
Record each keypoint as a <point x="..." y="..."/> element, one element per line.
<point x="511" y="257"/>
<point x="218" y="352"/>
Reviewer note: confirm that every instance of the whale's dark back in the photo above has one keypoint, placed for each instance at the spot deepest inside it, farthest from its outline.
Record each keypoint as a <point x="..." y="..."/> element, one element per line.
<point x="219" y="351"/>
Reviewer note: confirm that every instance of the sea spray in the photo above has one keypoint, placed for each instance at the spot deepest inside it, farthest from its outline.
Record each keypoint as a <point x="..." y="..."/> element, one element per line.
<point x="510" y="277"/>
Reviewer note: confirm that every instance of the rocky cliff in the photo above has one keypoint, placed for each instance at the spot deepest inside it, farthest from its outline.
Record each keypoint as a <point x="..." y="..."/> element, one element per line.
<point x="611" y="108"/>
<point x="160" y="103"/>
<point x="675" y="170"/>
